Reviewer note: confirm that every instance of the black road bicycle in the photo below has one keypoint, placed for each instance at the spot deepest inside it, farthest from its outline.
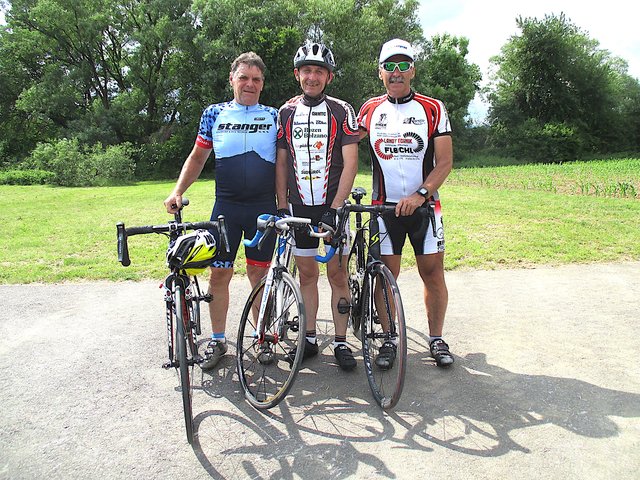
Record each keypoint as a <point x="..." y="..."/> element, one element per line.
<point x="182" y="294"/>
<point x="377" y="315"/>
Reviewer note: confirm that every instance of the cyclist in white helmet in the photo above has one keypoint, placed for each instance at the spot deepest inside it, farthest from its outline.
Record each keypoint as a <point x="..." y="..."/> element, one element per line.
<point x="317" y="161"/>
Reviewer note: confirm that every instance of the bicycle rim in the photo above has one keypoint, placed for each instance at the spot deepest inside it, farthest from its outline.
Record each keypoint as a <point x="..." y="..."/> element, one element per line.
<point x="265" y="373"/>
<point x="386" y="384"/>
<point x="355" y="271"/>
<point x="183" y="338"/>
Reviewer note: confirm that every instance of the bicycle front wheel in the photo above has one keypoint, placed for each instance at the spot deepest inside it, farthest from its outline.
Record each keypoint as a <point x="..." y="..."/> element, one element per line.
<point x="383" y="330"/>
<point x="266" y="365"/>
<point x="185" y="355"/>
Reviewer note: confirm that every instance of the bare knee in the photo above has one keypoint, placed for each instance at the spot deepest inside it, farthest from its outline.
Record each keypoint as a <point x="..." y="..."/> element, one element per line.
<point x="219" y="278"/>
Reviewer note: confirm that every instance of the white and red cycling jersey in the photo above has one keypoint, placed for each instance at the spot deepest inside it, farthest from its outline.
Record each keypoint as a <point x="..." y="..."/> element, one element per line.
<point x="313" y="131"/>
<point x="401" y="133"/>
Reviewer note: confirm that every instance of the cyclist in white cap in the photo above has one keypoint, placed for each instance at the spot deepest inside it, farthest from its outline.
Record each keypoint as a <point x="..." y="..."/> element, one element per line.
<point x="412" y="154"/>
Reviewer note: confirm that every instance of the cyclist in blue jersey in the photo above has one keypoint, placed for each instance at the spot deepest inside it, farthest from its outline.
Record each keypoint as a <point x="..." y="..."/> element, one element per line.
<point x="242" y="135"/>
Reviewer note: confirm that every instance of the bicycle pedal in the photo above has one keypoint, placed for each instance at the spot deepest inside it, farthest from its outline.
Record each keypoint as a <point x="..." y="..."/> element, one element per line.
<point x="167" y="365"/>
<point x="207" y="297"/>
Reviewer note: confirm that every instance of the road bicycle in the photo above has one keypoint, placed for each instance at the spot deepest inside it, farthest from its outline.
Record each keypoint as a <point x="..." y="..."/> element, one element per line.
<point x="273" y="321"/>
<point x="377" y="315"/>
<point x="187" y="255"/>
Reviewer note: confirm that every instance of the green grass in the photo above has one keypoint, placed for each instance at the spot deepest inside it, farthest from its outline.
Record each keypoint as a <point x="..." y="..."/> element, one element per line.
<point x="497" y="217"/>
<point x="601" y="178"/>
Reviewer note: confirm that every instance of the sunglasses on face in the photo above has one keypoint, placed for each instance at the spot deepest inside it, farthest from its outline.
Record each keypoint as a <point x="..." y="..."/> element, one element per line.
<point x="391" y="66"/>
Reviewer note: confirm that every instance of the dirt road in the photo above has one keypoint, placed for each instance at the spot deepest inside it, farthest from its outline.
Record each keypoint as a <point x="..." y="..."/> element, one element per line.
<point x="546" y="385"/>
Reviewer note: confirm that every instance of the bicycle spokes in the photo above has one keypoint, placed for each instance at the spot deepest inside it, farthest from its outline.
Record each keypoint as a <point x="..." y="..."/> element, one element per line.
<point x="266" y="364"/>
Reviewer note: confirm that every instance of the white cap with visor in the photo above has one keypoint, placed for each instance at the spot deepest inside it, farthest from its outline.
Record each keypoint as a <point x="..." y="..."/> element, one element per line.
<point x="396" y="47"/>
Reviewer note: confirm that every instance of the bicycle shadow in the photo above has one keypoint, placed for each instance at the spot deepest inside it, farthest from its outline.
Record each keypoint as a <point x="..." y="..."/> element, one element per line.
<point x="330" y="425"/>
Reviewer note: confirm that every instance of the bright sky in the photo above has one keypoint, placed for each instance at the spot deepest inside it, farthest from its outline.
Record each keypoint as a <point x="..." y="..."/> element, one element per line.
<point x="488" y="24"/>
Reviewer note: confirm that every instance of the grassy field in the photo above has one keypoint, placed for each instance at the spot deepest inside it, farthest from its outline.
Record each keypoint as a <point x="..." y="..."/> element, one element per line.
<point x="498" y="217"/>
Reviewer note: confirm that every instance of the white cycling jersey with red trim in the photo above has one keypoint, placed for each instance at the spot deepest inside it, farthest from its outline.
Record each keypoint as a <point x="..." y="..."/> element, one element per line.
<point x="313" y="131"/>
<point x="401" y="133"/>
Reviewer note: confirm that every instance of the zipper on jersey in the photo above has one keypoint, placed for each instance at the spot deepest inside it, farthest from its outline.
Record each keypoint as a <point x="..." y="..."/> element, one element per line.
<point x="398" y="121"/>
<point x="313" y="202"/>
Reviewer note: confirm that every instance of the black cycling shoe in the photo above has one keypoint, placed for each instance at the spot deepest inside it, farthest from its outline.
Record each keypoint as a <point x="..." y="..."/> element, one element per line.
<point x="310" y="350"/>
<point x="386" y="356"/>
<point x="345" y="357"/>
<point x="440" y="352"/>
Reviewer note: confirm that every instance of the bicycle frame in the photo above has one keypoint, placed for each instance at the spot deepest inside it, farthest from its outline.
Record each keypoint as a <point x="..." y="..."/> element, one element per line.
<point x="282" y="258"/>
<point x="182" y="297"/>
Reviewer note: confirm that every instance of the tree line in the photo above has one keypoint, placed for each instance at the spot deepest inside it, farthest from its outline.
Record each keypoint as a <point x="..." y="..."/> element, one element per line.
<point x="109" y="90"/>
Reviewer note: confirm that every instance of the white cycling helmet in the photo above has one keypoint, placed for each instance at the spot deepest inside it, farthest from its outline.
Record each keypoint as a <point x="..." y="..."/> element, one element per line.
<point x="192" y="252"/>
<point x="314" y="54"/>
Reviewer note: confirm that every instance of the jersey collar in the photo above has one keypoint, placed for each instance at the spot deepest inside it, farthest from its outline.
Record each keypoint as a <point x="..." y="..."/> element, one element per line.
<point x="244" y="107"/>
<point x="407" y="98"/>
<point x="312" y="101"/>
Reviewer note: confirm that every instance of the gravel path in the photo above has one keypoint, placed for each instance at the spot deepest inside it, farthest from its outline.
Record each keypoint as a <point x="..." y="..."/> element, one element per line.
<point x="546" y="385"/>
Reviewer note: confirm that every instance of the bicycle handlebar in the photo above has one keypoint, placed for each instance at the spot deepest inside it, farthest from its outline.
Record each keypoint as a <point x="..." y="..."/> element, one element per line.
<point x="343" y="216"/>
<point x="267" y="223"/>
<point x="175" y="226"/>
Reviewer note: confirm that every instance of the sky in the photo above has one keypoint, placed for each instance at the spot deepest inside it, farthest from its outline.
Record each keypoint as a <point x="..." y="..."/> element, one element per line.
<point x="488" y="24"/>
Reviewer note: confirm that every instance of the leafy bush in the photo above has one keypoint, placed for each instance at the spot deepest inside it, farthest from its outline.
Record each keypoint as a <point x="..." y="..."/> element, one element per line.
<point x="26" y="177"/>
<point x="108" y="166"/>
<point x="63" y="158"/>
<point x="536" y="142"/>
<point x="162" y="160"/>
<point x="73" y="165"/>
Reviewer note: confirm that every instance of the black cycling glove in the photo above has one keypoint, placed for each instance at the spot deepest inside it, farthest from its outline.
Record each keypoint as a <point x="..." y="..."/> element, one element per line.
<point x="329" y="218"/>
<point x="283" y="212"/>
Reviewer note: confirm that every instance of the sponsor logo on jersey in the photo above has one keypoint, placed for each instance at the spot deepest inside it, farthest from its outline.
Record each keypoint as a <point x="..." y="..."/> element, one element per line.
<point x="245" y="127"/>
<point x="318" y="145"/>
<point x="319" y="114"/>
<point x="414" y="121"/>
<point x="306" y="132"/>
<point x="387" y="148"/>
<point x="382" y="122"/>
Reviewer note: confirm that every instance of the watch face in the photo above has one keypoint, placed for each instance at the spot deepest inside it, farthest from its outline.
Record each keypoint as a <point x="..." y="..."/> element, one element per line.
<point x="423" y="191"/>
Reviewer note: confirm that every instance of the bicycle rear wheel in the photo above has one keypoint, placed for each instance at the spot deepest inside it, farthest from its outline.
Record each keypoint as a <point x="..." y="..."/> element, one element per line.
<point x="184" y="344"/>
<point x="265" y="371"/>
<point x="383" y="321"/>
<point x="355" y="274"/>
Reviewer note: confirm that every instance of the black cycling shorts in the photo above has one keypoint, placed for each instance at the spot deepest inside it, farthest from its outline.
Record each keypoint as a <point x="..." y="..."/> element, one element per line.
<point x="241" y="219"/>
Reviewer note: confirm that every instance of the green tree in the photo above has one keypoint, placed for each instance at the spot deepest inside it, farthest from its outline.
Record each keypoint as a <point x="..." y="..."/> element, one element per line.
<point x="141" y="71"/>
<point x="443" y="72"/>
<point x="553" y="92"/>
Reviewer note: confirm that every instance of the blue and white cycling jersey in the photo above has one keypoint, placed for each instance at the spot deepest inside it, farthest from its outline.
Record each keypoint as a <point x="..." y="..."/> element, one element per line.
<point x="243" y="139"/>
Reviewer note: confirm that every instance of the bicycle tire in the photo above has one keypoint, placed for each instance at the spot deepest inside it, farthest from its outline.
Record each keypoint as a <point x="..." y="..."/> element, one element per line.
<point x="183" y="331"/>
<point x="386" y="384"/>
<point x="265" y="374"/>
<point x="355" y="275"/>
